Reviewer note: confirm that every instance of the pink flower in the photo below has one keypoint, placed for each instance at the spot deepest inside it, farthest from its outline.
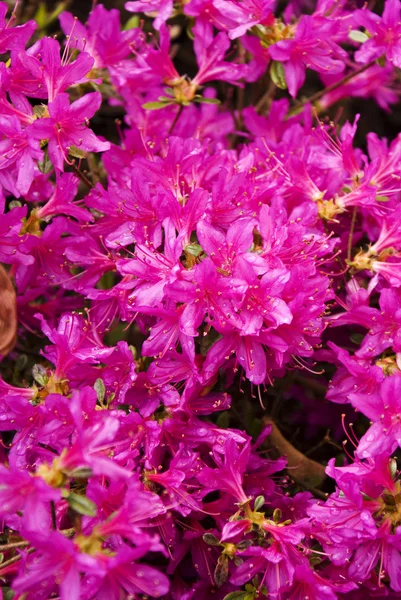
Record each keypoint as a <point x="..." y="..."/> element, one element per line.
<point x="67" y="125"/>
<point x="309" y="48"/>
<point x="385" y="33"/>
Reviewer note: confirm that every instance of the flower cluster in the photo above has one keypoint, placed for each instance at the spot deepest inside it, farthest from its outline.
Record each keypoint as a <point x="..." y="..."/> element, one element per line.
<point x="222" y="241"/>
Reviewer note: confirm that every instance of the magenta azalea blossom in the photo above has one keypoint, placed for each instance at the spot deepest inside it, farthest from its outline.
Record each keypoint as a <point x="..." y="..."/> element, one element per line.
<point x="384" y="33"/>
<point x="200" y="301"/>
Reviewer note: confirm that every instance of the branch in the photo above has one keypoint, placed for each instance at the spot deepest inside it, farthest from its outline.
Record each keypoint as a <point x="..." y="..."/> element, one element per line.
<point x="330" y="88"/>
<point x="304" y="471"/>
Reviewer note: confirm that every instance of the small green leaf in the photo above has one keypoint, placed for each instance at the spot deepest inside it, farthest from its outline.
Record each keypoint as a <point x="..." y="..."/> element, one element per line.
<point x="100" y="389"/>
<point x="61" y="7"/>
<point x="235" y="596"/>
<point x="203" y="100"/>
<point x="356" y="338"/>
<point x="223" y="420"/>
<point x="1" y="557"/>
<point x="82" y="504"/>
<point x="15" y="204"/>
<point x="155" y="105"/>
<point x="221" y="571"/>
<point x="81" y="473"/>
<point x="211" y="539"/>
<point x="45" y="166"/>
<point x="40" y="110"/>
<point x="244" y="545"/>
<point x="358" y="36"/>
<point x="382" y="198"/>
<point x="277" y="515"/>
<point x="76" y="152"/>
<point x="41" y="15"/>
<point x="194" y="249"/>
<point x="277" y="74"/>
<point x="132" y="23"/>
<point x="39" y="374"/>
<point x="259" y="502"/>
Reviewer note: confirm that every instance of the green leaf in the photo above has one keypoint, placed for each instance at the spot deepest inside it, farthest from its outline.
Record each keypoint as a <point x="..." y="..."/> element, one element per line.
<point x="76" y="152"/>
<point x="194" y="249"/>
<point x="41" y="15"/>
<point x="259" y="502"/>
<point x="61" y="7"/>
<point x="81" y="473"/>
<point x="382" y="61"/>
<point x="155" y="105"/>
<point x="45" y="166"/>
<point x="39" y="374"/>
<point x="382" y="198"/>
<point x="132" y="23"/>
<point x="211" y="539"/>
<point x="235" y="596"/>
<point x="223" y="420"/>
<point x="203" y="100"/>
<point x="244" y="545"/>
<point x="221" y="571"/>
<point x="277" y="515"/>
<point x="14" y="204"/>
<point x="358" y="36"/>
<point x="82" y="505"/>
<point x="39" y="110"/>
<point x="100" y="389"/>
<point x="277" y="74"/>
<point x="356" y="338"/>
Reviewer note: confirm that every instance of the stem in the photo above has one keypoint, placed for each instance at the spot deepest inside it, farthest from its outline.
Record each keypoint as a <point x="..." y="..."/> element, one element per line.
<point x="342" y="264"/>
<point x="330" y="88"/>
<point x="177" y="116"/>
<point x="302" y="470"/>
<point x="267" y="97"/>
<point x="54" y="516"/>
<point x="14" y="559"/>
<point x="81" y="176"/>
<point x="351" y="233"/>
<point x="13" y="545"/>
<point x="67" y="532"/>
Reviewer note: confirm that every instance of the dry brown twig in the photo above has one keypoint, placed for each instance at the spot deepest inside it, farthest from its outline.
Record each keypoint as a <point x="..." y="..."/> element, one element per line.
<point x="8" y="313"/>
<point x="302" y="470"/>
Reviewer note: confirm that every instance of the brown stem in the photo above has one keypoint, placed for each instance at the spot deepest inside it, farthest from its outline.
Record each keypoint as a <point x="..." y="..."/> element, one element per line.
<point x="92" y="168"/>
<point x="14" y="559"/>
<point x="177" y="116"/>
<point x="303" y="470"/>
<point x="267" y="97"/>
<point x="13" y="546"/>
<point x="351" y="233"/>
<point x="53" y="514"/>
<point x="330" y="88"/>
<point x="8" y="313"/>
<point x="81" y="176"/>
